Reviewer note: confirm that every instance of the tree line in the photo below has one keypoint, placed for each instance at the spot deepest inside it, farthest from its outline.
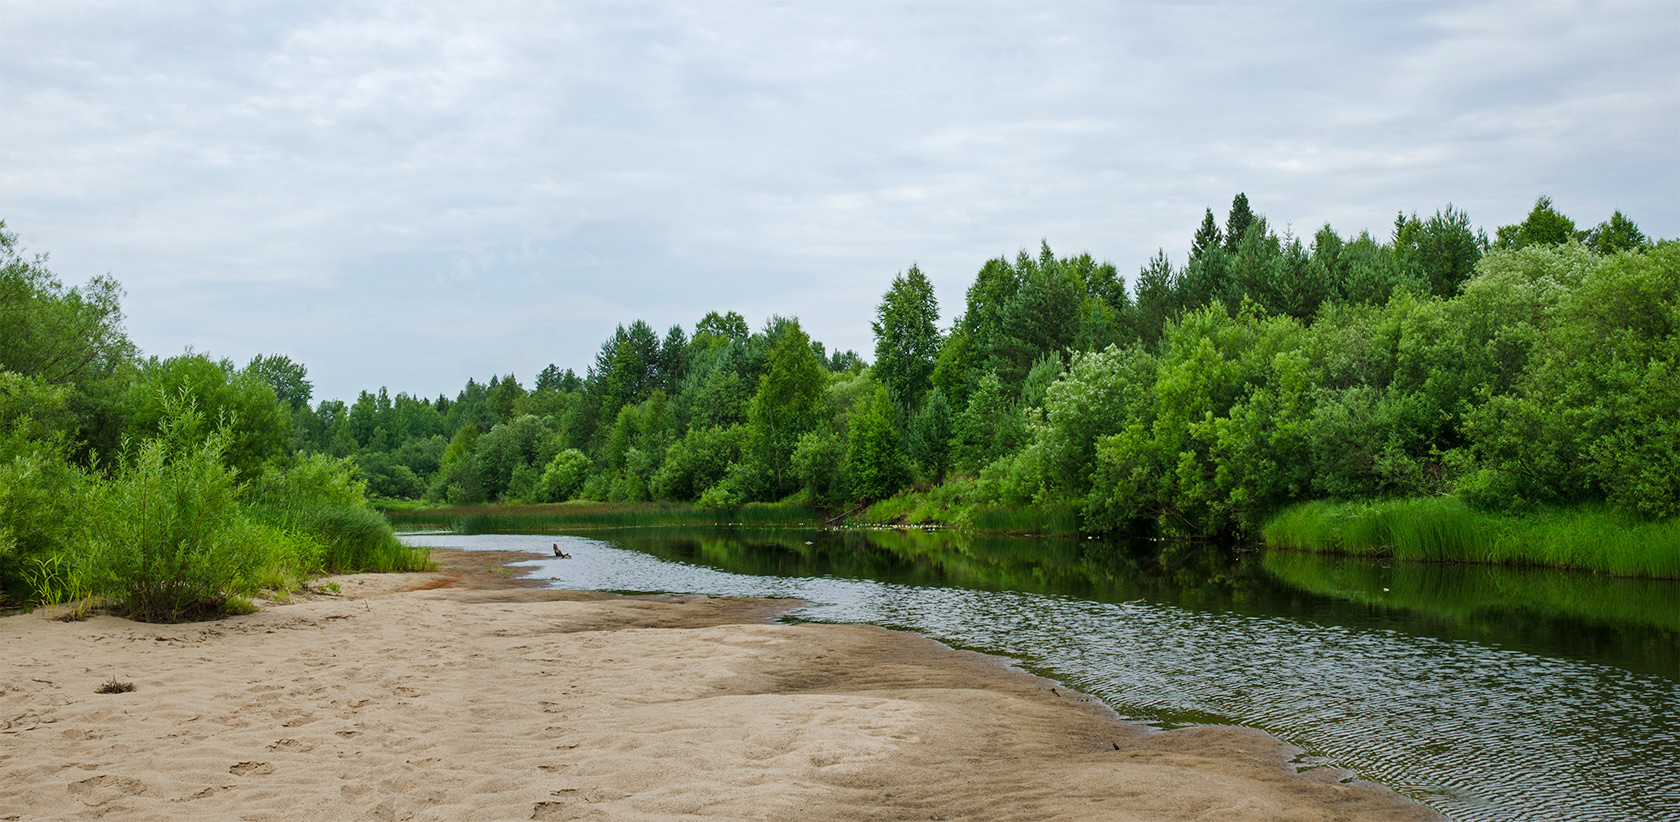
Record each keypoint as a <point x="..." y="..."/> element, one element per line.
<point x="1533" y="368"/>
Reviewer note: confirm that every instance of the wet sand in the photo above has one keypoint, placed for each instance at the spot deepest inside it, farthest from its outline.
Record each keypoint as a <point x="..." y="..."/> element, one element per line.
<point x="468" y="694"/>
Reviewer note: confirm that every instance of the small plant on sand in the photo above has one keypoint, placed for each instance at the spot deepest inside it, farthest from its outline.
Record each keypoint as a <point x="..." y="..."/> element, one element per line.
<point x="59" y="586"/>
<point x="114" y="686"/>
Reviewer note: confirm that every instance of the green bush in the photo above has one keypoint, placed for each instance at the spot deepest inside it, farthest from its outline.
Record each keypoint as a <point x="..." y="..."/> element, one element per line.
<point x="320" y="497"/>
<point x="172" y="542"/>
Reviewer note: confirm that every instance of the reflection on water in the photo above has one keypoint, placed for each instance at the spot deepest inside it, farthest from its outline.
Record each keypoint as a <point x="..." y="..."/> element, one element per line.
<point x="1486" y="693"/>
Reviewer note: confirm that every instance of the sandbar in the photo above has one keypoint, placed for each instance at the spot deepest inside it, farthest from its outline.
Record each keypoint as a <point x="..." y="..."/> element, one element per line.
<point x="470" y="694"/>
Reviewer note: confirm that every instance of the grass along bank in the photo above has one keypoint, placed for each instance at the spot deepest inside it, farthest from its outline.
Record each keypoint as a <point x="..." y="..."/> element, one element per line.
<point x="1444" y="529"/>
<point x="958" y="503"/>
<point x="546" y="518"/>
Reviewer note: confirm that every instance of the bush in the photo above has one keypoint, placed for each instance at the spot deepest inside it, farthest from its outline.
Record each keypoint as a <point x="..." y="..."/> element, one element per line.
<point x="320" y="497"/>
<point x="564" y="476"/>
<point x="172" y="543"/>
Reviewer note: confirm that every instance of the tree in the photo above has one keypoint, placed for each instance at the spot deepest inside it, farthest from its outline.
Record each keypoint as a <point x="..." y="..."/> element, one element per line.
<point x="875" y="463"/>
<point x="1543" y="226"/>
<point x="1442" y="249"/>
<point x="1207" y="236"/>
<point x="61" y="335"/>
<point x="906" y="338"/>
<point x="789" y="402"/>
<point x="1617" y="234"/>
<point x="1154" y="296"/>
<point x="289" y="380"/>
<point x="930" y="436"/>
<point x="1237" y="222"/>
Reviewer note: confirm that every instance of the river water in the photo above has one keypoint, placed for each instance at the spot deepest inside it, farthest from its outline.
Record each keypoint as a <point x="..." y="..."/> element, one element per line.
<point x="1486" y="693"/>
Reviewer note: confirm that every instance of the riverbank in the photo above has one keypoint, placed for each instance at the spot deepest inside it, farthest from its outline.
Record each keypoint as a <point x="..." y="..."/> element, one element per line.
<point x="1444" y="529"/>
<point x="470" y="695"/>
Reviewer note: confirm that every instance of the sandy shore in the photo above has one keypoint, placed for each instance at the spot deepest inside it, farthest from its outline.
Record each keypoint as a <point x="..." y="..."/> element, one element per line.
<point x="464" y="695"/>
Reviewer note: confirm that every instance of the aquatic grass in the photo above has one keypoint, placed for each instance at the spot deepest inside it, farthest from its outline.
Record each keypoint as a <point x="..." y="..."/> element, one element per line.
<point x="1445" y="529"/>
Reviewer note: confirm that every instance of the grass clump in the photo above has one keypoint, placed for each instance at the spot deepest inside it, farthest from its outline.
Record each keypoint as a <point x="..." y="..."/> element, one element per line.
<point x="1445" y="529"/>
<point x="115" y="686"/>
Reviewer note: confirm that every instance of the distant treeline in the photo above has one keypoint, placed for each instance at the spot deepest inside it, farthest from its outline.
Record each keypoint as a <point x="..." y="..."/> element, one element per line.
<point x="1537" y="368"/>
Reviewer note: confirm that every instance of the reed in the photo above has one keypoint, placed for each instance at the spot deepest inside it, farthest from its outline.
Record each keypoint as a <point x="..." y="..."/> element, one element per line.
<point x="1444" y="529"/>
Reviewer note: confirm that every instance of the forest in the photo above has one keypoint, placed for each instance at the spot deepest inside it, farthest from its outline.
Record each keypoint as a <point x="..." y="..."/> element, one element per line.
<point x="1401" y="395"/>
<point x="1526" y="371"/>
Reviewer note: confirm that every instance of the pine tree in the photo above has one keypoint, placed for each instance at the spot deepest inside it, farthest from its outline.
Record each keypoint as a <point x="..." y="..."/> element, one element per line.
<point x="1237" y="222"/>
<point x="1207" y="236"/>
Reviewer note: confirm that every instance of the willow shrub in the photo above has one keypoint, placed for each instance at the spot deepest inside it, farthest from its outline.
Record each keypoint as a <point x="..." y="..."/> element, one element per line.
<point x="172" y="542"/>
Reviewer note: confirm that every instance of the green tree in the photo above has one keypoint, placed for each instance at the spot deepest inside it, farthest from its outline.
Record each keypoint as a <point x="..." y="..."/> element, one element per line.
<point x="1154" y="296"/>
<point x="1207" y="236"/>
<point x="1617" y="234"/>
<point x="290" y="380"/>
<point x="1237" y="222"/>
<point x="258" y="428"/>
<point x="1543" y="226"/>
<point x="906" y="337"/>
<point x="789" y="403"/>
<point x="875" y="463"/>
<point x="930" y="436"/>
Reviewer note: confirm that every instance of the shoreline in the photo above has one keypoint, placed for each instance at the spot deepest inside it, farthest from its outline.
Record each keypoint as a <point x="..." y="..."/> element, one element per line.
<point x="470" y="693"/>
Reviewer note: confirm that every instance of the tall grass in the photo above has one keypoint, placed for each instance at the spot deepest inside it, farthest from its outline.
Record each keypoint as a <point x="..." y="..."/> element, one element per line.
<point x="320" y="498"/>
<point x="528" y="519"/>
<point x="1444" y="529"/>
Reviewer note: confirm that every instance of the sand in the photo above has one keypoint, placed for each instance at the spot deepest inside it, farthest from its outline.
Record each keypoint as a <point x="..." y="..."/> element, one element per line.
<point x="464" y="695"/>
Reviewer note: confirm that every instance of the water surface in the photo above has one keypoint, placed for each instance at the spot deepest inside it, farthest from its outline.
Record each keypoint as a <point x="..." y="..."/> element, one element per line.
<point x="1487" y="693"/>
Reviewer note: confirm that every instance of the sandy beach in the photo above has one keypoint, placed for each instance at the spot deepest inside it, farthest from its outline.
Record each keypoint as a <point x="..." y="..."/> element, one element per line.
<point x="465" y="694"/>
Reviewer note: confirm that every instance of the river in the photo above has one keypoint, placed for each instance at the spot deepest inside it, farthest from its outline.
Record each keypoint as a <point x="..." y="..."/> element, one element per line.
<point x="1486" y="693"/>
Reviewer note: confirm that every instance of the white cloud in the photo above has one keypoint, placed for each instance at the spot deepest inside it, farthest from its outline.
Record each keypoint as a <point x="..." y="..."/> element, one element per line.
<point x="410" y="194"/>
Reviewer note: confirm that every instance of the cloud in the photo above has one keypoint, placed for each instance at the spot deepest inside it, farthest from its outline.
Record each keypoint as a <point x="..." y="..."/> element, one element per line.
<point x="409" y="194"/>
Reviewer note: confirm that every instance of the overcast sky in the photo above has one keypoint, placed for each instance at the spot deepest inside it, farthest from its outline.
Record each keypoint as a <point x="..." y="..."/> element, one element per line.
<point x="409" y="194"/>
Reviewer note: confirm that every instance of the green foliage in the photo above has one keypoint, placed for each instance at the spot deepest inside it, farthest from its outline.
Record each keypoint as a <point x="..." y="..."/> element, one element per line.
<point x="171" y="542"/>
<point x="875" y="462"/>
<point x="1598" y="411"/>
<point x="1543" y="226"/>
<point x="817" y="461"/>
<point x="930" y="436"/>
<point x="320" y="499"/>
<point x="906" y="340"/>
<point x="56" y="334"/>
<point x="1617" y="234"/>
<point x="564" y="476"/>
<point x="289" y="380"/>
<point x="239" y="402"/>
<point x="789" y="403"/>
<point x="1445" y="529"/>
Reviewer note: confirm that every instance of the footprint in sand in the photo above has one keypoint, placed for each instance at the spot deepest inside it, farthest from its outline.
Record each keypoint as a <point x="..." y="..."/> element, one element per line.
<point x="251" y="768"/>
<point x="97" y="790"/>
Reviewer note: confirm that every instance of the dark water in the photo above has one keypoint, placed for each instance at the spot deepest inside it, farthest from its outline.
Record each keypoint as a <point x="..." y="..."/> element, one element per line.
<point x="1487" y="693"/>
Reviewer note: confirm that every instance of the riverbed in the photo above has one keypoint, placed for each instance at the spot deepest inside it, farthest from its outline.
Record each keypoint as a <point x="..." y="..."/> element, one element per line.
<point x="1486" y="693"/>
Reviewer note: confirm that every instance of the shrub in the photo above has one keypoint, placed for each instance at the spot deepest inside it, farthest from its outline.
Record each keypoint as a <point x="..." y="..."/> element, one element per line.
<point x="172" y="543"/>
